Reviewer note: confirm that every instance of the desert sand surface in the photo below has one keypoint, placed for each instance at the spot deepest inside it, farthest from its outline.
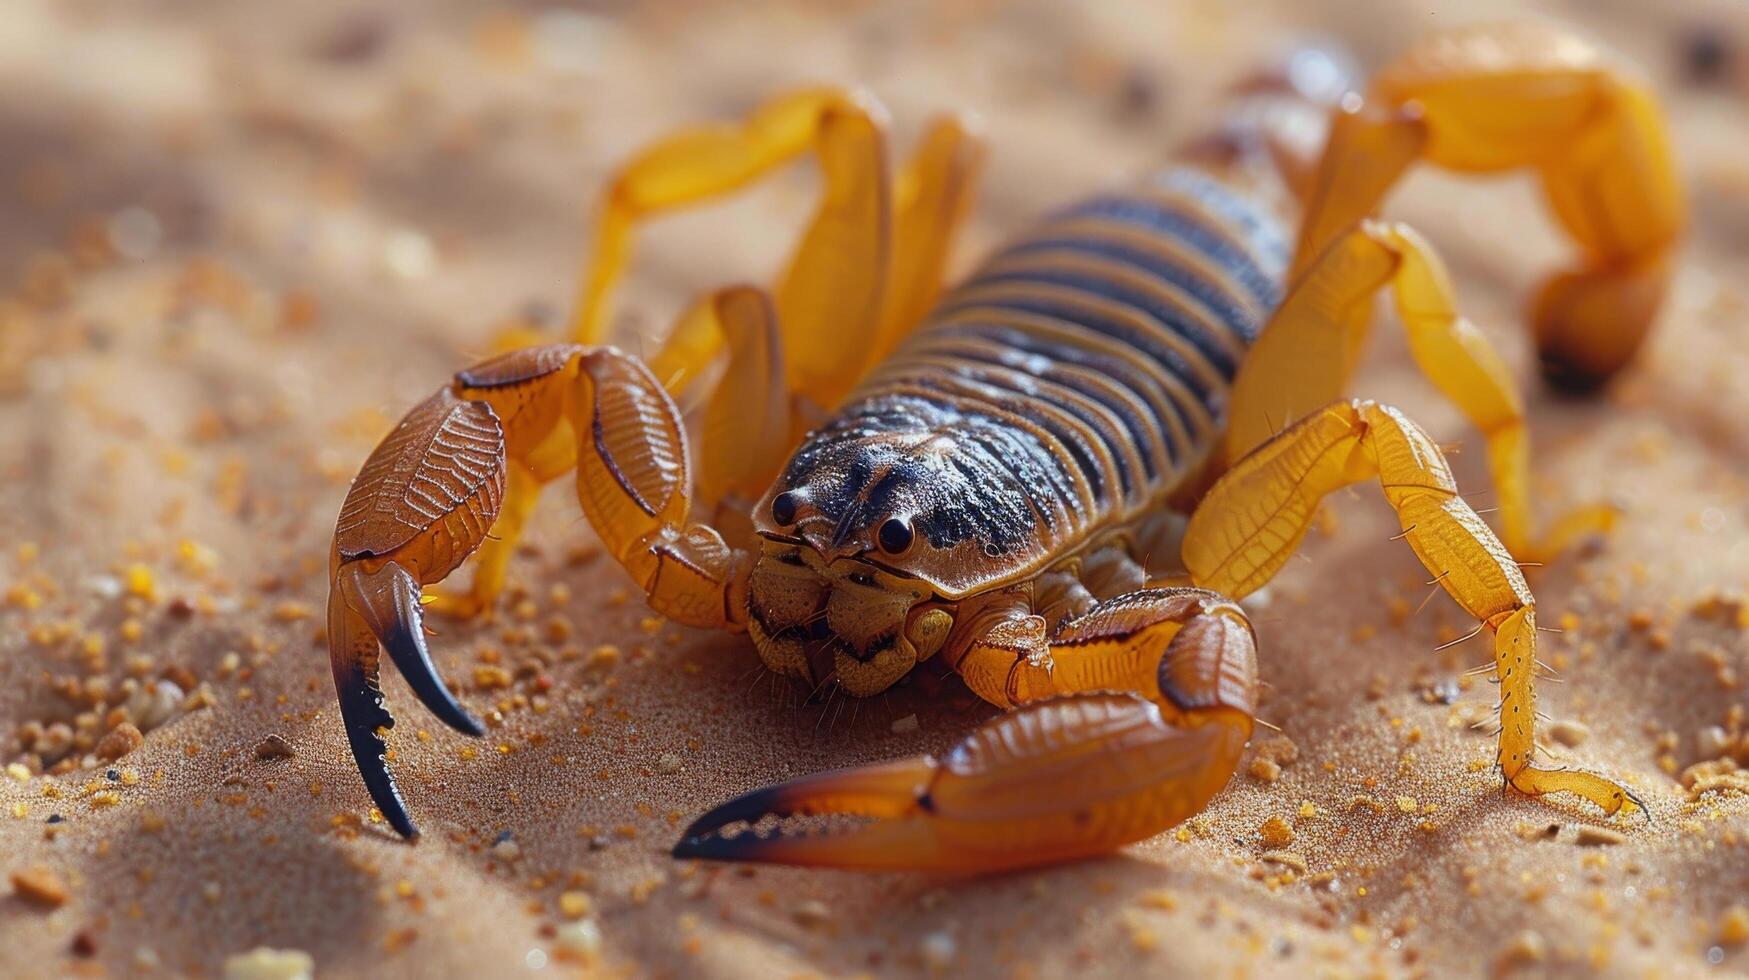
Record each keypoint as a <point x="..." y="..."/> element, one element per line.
<point x="238" y="241"/>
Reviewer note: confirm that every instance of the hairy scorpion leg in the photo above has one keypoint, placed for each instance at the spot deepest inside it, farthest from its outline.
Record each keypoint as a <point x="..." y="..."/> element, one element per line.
<point x="1054" y="779"/>
<point x="844" y="279"/>
<point x="1306" y="353"/>
<point x="1501" y="97"/>
<point x="430" y="492"/>
<point x="1255" y="516"/>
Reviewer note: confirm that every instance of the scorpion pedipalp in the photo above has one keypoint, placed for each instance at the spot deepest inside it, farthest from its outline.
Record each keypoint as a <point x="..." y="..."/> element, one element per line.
<point x="1057" y="779"/>
<point x="420" y="505"/>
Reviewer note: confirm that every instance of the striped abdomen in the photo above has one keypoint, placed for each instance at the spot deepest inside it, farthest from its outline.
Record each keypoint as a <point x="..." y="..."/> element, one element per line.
<point x="1077" y="376"/>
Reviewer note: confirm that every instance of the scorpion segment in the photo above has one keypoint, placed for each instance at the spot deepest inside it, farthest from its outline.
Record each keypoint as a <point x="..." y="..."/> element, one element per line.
<point x="1055" y="779"/>
<point x="423" y="501"/>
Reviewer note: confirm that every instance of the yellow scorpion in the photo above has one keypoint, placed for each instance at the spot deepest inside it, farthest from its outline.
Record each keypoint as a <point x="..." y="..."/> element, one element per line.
<point x="989" y="474"/>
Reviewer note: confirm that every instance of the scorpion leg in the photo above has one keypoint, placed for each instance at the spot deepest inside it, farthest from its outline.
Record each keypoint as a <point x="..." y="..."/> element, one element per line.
<point x="932" y="194"/>
<point x="1059" y="778"/>
<point x="833" y="286"/>
<point x="1500" y="97"/>
<point x="1254" y="517"/>
<point x="1305" y="355"/>
<point x="868" y="266"/>
<point x="746" y="429"/>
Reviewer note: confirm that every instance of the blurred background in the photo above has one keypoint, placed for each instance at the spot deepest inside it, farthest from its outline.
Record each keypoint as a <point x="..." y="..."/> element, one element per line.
<point x="238" y="240"/>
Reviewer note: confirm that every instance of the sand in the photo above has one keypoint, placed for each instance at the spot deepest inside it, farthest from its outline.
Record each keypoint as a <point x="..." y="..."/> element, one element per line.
<point x="237" y="243"/>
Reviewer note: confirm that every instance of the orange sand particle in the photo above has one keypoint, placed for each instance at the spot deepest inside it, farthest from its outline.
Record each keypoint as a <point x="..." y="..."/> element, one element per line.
<point x="1734" y="926"/>
<point x="40" y="887"/>
<point x="1264" y="770"/>
<point x="1276" y="833"/>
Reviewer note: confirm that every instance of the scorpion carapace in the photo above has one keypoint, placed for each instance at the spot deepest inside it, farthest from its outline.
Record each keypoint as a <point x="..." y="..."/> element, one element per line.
<point x="998" y="468"/>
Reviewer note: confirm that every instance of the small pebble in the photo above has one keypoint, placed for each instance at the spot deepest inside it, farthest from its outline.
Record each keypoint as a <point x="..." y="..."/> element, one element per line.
<point x="40" y="887"/>
<point x="104" y="586"/>
<point x="903" y="725"/>
<point x="154" y="703"/>
<point x="121" y="740"/>
<point x="1569" y="733"/>
<point x="668" y="764"/>
<point x="582" y="937"/>
<point x="262" y="963"/>
<point x="1590" y="836"/>
<point x="939" y="950"/>
<point x="1286" y="859"/>
<point x="575" y="905"/>
<point x="1734" y="926"/>
<point x="84" y="943"/>
<point x="812" y="914"/>
<point x="1712" y="741"/>
<point x="1280" y="750"/>
<point x="1706" y="54"/>
<point x="409" y="254"/>
<point x="1276" y="833"/>
<point x="1526" y="947"/>
<point x="274" y="747"/>
<point x="506" y="850"/>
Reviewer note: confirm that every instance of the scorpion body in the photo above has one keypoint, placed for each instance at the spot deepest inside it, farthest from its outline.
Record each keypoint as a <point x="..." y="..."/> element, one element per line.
<point x="1051" y="404"/>
<point x="995" y="478"/>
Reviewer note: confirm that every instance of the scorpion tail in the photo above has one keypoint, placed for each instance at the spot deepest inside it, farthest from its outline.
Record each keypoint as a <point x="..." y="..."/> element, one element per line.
<point x="1053" y="780"/>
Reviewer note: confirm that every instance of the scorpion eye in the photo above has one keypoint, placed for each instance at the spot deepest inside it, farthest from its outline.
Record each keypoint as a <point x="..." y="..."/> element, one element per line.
<point x="894" y="535"/>
<point x="783" y="509"/>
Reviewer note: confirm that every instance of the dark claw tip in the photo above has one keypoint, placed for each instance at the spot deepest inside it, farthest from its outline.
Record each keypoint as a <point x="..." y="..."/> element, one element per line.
<point x="403" y="635"/>
<point x="368" y="750"/>
<point x="749" y="807"/>
<point x="710" y="847"/>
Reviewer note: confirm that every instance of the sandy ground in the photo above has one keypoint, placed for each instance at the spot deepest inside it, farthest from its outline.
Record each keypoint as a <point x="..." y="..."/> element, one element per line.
<point x="237" y="243"/>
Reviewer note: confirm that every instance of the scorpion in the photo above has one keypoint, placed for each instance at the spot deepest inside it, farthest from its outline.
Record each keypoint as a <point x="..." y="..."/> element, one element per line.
<point x="997" y="473"/>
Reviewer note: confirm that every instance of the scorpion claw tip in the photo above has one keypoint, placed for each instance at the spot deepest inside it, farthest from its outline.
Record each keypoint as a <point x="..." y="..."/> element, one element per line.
<point x="748" y="807"/>
<point x="892" y="831"/>
<point x="713" y="848"/>
<point x="362" y="708"/>
<point x="389" y="600"/>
